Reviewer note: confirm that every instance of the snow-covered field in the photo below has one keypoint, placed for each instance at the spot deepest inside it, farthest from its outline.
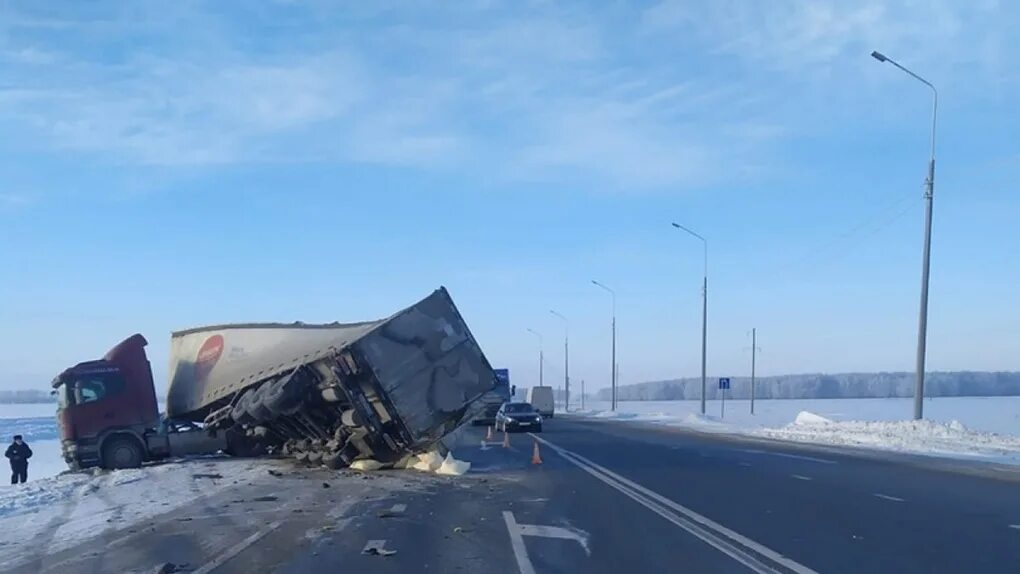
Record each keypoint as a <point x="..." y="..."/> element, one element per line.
<point x="37" y="423"/>
<point x="980" y="428"/>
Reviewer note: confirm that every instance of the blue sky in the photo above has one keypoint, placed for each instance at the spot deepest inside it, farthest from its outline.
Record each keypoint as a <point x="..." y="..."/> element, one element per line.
<point x="169" y="165"/>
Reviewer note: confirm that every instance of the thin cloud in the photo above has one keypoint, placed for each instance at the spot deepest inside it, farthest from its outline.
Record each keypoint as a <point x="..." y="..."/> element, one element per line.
<point x="537" y="94"/>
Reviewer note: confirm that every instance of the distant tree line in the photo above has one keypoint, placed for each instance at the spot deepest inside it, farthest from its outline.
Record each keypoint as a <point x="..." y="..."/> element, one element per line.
<point x="821" y="386"/>
<point x="26" y="396"/>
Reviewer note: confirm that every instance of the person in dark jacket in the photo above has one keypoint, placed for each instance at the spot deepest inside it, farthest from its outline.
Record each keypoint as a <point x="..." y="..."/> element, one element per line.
<point x="19" y="453"/>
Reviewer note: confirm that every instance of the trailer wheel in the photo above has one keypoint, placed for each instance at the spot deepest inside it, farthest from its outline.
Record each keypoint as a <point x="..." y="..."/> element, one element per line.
<point x="239" y="413"/>
<point x="122" y="452"/>
<point x="286" y="395"/>
<point x="257" y="410"/>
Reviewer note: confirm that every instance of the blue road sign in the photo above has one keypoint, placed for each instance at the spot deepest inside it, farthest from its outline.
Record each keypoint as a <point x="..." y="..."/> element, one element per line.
<point x="724" y="382"/>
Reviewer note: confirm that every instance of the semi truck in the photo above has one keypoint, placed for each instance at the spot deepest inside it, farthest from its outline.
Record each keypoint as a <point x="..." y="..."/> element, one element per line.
<point x="495" y="398"/>
<point x="324" y="393"/>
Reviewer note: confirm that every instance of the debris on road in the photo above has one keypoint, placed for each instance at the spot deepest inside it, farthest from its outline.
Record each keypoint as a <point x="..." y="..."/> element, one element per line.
<point x="452" y="466"/>
<point x="366" y="464"/>
<point x="171" y="568"/>
<point x="374" y="551"/>
<point x="208" y="475"/>
<point x="428" y="462"/>
<point x="265" y="499"/>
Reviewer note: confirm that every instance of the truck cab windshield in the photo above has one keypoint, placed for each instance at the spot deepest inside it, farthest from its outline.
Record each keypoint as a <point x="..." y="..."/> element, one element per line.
<point x="87" y="388"/>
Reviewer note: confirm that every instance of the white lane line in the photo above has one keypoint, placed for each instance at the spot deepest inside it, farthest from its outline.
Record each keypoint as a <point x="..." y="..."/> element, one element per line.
<point x="235" y="550"/>
<point x="1015" y="526"/>
<point x="745" y="464"/>
<point x="517" y="543"/>
<point x="801" y="477"/>
<point x="887" y="497"/>
<point x="733" y="544"/>
<point x="710" y="538"/>
<point x="793" y="456"/>
<point x="545" y="531"/>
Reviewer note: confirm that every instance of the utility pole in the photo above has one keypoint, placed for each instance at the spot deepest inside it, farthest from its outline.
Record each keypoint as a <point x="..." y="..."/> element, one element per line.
<point x="704" y="315"/>
<point x="541" y="357"/>
<point x="612" y="364"/>
<point x="566" y="360"/>
<point x="616" y="372"/>
<point x="929" y="193"/>
<point x="754" y="348"/>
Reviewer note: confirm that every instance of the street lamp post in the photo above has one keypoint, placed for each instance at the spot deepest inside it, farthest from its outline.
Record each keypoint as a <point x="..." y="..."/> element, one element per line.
<point x="704" y="314"/>
<point x="929" y="193"/>
<point x="612" y="368"/>
<point x="566" y="360"/>
<point x="541" y="357"/>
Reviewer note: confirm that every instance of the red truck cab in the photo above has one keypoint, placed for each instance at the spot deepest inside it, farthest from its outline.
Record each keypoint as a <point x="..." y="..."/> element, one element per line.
<point x="106" y="408"/>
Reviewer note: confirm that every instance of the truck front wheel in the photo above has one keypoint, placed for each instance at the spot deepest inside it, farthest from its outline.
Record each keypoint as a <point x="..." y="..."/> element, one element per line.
<point x="122" y="452"/>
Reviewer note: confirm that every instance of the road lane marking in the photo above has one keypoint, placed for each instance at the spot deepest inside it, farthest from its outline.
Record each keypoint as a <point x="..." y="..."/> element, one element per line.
<point x="787" y="455"/>
<point x="544" y="531"/>
<point x="887" y="497"/>
<point x="235" y="550"/>
<point x="719" y="543"/>
<point x="518" y="531"/>
<point x="735" y="545"/>
<point x="801" y="477"/>
<point x="745" y="464"/>
<point x="517" y="543"/>
<point x="1015" y="526"/>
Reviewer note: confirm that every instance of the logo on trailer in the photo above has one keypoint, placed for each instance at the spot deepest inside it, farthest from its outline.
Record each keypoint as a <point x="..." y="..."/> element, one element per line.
<point x="208" y="354"/>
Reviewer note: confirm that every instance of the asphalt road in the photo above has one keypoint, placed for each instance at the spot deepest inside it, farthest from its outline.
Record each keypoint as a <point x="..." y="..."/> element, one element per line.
<point x="608" y="497"/>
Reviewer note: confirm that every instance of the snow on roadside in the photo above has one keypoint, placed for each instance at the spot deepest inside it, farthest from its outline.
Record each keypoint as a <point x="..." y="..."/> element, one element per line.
<point x="781" y="420"/>
<point x="919" y="437"/>
<point x="47" y="515"/>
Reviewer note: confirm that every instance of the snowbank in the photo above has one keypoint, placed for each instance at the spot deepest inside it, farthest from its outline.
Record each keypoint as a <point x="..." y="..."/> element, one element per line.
<point x="51" y="514"/>
<point x="918" y="437"/>
<point x="810" y="418"/>
<point x="990" y="432"/>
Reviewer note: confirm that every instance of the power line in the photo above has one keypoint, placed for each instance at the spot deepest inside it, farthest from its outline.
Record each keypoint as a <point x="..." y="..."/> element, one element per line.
<point x="815" y="255"/>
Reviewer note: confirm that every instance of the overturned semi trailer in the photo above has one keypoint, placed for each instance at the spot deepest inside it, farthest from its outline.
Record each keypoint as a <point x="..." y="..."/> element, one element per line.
<point x="333" y="393"/>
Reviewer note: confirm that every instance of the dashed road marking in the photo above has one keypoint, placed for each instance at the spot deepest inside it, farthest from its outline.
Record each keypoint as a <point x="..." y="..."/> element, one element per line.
<point x="235" y="550"/>
<point x="801" y="477"/>
<point x="887" y="497"/>
<point x="745" y="464"/>
<point x="1015" y="526"/>
<point x="793" y="456"/>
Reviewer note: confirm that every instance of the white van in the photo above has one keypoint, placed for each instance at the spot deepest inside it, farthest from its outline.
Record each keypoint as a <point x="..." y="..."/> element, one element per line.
<point x="542" y="399"/>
